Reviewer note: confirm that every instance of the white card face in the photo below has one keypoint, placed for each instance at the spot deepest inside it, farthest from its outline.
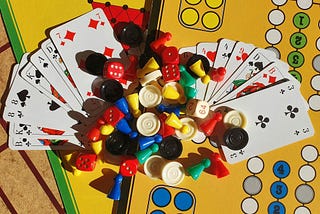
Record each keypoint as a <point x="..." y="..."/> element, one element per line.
<point x="224" y="51"/>
<point x="209" y="50"/>
<point x="87" y="33"/>
<point x="53" y="55"/>
<point x="49" y="73"/>
<point x="269" y="126"/>
<point x="256" y="61"/>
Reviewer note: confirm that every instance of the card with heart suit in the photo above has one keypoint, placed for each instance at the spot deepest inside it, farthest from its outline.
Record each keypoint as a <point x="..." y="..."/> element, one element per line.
<point x="81" y="36"/>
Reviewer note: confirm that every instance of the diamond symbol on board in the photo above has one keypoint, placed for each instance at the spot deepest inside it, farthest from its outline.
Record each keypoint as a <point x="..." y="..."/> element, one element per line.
<point x="93" y="23"/>
<point x="70" y="35"/>
<point x="108" y="51"/>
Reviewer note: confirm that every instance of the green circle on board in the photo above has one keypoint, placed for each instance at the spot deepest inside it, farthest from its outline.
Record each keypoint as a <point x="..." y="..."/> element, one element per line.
<point x="298" y="40"/>
<point x="301" y="20"/>
<point x="296" y="75"/>
<point x="295" y="59"/>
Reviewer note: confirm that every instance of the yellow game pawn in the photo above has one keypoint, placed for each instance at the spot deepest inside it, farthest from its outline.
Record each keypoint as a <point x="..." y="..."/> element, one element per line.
<point x="150" y="66"/>
<point x="173" y="121"/>
<point x="106" y="129"/>
<point x="171" y="93"/>
<point x="97" y="148"/>
<point x="197" y="68"/>
<point x="133" y="101"/>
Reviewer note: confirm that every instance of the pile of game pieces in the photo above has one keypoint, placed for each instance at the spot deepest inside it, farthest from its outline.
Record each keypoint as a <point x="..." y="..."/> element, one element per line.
<point x="92" y="87"/>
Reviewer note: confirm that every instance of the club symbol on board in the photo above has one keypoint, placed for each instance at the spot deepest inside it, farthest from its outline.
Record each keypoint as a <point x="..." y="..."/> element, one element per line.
<point x="292" y="111"/>
<point x="25" y="128"/>
<point x="262" y="121"/>
<point x="25" y="140"/>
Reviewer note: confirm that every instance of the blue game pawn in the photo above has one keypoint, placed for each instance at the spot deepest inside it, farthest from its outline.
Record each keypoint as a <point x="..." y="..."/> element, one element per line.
<point x="169" y="109"/>
<point x="123" y="106"/>
<point x="145" y="142"/>
<point x="115" y="192"/>
<point x="124" y="127"/>
<point x="196" y="170"/>
<point x="143" y="155"/>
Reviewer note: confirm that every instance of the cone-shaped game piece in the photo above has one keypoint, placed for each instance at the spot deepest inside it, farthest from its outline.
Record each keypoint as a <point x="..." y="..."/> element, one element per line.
<point x="196" y="170"/>
<point x="197" y="68"/>
<point x="124" y="127"/>
<point x="208" y="126"/>
<point x="173" y="121"/>
<point x="115" y="192"/>
<point x="133" y="102"/>
<point x="218" y="168"/>
<point x="185" y="78"/>
<point x="150" y="66"/>
<point x="145" y="142"/>
<point x="143" y="155"/>
<point x="123" y="106"/>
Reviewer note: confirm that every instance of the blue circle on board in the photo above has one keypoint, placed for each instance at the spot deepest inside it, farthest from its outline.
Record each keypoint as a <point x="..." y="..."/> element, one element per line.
<point x="276" y="207"/>
<point x="183" y="201"/>
<point x="157" y="212"/>
<point x="161" y="197"/>
<point x="279" y="189"/>
<point x="281" y="169"/>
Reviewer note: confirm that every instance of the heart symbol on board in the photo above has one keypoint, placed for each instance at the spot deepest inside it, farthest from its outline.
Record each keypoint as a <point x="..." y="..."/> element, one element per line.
<point x="244" y="56"/>
<point x="211" y="55"/>
<point x="238" y="57"/>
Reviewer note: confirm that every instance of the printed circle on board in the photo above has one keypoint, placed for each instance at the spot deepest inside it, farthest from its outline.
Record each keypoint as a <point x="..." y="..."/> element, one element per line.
<point x="301" y="20"/>
<point x="193" y="2"/>
<point x="296" y="75"/>
<point x="318" y="43"/>
<point x="249" y="205"/>
<point x="161" y="197"/>
<point x="295" y="59"/>
<point x="255" y="165"/>
<point x="314" y="102"/>
<point x="276" y="207"/>
<point x="316" y="63"/>
<point x="279" y="190"/>
<point x="189" y="16"/>
<point x="307" y="173"/>
<point x="302" y="210"/>
<point x="276" y="17"/>
<point x="304" y="4"/>
<point x="309" y="153"/>
<point x="214" y="3"/>
<point x="252" y="185"/>
<point x="183" y="201"/>
<point x="315" y="82"/>
<point x="274" y="50"/>
<point x="298" y="40"/>
<point x="281" y="169"/>
<point x="273" y="36"/>
<point x="279" y="2"/>
<point x="304" y="193"/>
<point x="157" y="212"/>
<point x="210" y="20"/>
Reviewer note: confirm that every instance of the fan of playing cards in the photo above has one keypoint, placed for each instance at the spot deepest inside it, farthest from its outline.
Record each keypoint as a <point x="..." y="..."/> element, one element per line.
<point x="51" y="102"/>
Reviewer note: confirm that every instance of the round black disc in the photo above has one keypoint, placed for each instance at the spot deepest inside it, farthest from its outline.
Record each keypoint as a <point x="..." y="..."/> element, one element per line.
<point x="236" y="138"/>
<point x="95" y="63"/>
<point x="170" y="148"/>
<point x="111" y="90"/>
<point x="131" y="35"/>
<point x="118" y="143"/>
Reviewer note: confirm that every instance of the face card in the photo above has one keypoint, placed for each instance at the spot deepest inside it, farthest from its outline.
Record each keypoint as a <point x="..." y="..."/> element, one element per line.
<point x="268" y="126"/>
<point x="76" y="38"/>
<point x="53" y="55"/>
<point x="52" y="80"/>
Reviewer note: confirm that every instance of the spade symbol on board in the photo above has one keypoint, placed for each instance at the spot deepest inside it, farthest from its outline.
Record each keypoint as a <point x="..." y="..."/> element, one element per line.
<point x="45" y="65"/>
<point x="258" y="65"/>
<point x="38" y="75"/>
<point x="23" y="95"/>
<point x="53" y="106"/>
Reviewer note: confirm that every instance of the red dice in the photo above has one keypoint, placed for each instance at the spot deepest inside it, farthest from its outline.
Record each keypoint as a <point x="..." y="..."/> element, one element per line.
<point x="170" y="72"/>
<point x="129" y="167"/>
<point x="113" y="70"/>
<point x="170" y="55"/>
<point x="112" y="115"/>
<point x="86" y="161"/>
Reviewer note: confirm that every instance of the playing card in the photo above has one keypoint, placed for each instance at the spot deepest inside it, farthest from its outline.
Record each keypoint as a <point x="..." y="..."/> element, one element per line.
<point x="52" y="81"/>
<point x="208" y="49"/>
<point x="76" y="39"/>
<point x="224" y="51"/>
<point x="53" y="55"/>
<point x="275" y="117"/>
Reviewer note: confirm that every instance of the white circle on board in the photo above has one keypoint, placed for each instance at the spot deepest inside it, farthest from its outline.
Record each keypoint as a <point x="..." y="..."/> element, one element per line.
<point x="304" y="193"/>
<point x="249" y="205"/>
<point x="304" y="4"/>
<point x="318" y="43"/>
<point x="276" y="17"/>
<point x="275" y="51"/>
<point x="302" y="210"/>
<point x="273" y="36"/>
<point x="309" y="153"/>
<point x="314" y="102"/>
<point x="279" y="2"/>
<point x="315" y="82"/>
<point x="255" y="165"/>
<point x="316" y="63"/>
<point x="307" y="173"/>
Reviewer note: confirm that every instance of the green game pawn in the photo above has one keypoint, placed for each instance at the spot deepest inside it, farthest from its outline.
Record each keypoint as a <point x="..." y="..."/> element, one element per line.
<point x="143" y="155"/>
<point x="196" y="170"/>
<point x="185" y="78"/>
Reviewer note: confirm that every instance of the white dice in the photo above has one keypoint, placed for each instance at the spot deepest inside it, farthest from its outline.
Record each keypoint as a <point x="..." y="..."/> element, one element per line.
<point x="197" y="108"/>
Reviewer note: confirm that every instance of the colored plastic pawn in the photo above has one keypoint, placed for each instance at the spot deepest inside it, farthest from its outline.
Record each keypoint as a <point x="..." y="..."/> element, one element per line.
<point x="94" y="63"/>
<point x="145" y="142"/>
<point x="169" y="109"/>
<point x="133" y="102"/>
<point x="208" y="126"/>
<point x="150" y="66"/>
<point x="165" y="130"/>
<point x="218" y="74"/>
<point x="115" y="192"/>
<point x="197" y="68"/>
<point x="131" y="72"/>
<point x="189" y="92"/>
<point x="143" y="155"/>
<point x="173" y="121"/>
<point x="185" y="78"/>
<point x="158" y="45"/>
<point x="196" y="170"/>
<point x="123" y="106"/>
<point x="218" y="168"/>
<point x="124" y="127"/>
<point x="170" y="92"/>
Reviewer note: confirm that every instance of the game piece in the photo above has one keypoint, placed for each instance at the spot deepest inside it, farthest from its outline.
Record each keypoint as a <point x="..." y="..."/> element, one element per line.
<point x="129" y="166"/>
<point x="185" y="78"/>
<point x="218" y="74"/>
<point x="97" y="148"/>
<point x="196" y="170"/>
<point x="165" y="130"/>
<point x="94" y="134"/>
<point x="111" y="90"/>
<point x="106" y="129"/>
<point x="170" y="72"/>
<point x="153" y="166"/>
<point x="236" y="138"/>
<point x="150" y="96"/>
<point x="143" y="155"/>
<point x="169" y="109"/>
<point x="170" y="148"/>
<point x="173" y="121"/>
<point x="159" y="44"/>
<point x="192" y="129"/>
<point x="152" y="76"/>
<point x="173" y="92"/>
<point x="205" y="65"/>
<point x="95" y="62"/>
<point x="117" y="143"/>
<point x="197" y="108"/>
<point x="170" y="55"/>
<point x="208" y="126"/>
<point x="145" y="142"/>
<point x="123" y="106"/>
<point x="86" y="161"/>
<point x="133" y="102"/>
<point x="131" y="72"/>
<point x="131" y="34"/>
<point x="217" y="166"/>
<point x="148" y="124"/>
<point x="113" y="70"/>
<point x="173" y="173"/>
<point x="115" y="192"/>
<point x="234" y="118"/>
<point x="124" y="127"/>
<point x="197" y="68"/>
<point x="150" y="66"/>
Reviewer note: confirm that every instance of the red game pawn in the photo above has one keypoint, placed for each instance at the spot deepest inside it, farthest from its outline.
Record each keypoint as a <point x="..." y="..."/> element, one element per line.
<point x="131" y="72"/>
<point x="165" y="130"/>
<point x="159" y="44"/>
<point x="217" y="167"/>
<point x="218" y="74"/>
<point x="208" y="126"/>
